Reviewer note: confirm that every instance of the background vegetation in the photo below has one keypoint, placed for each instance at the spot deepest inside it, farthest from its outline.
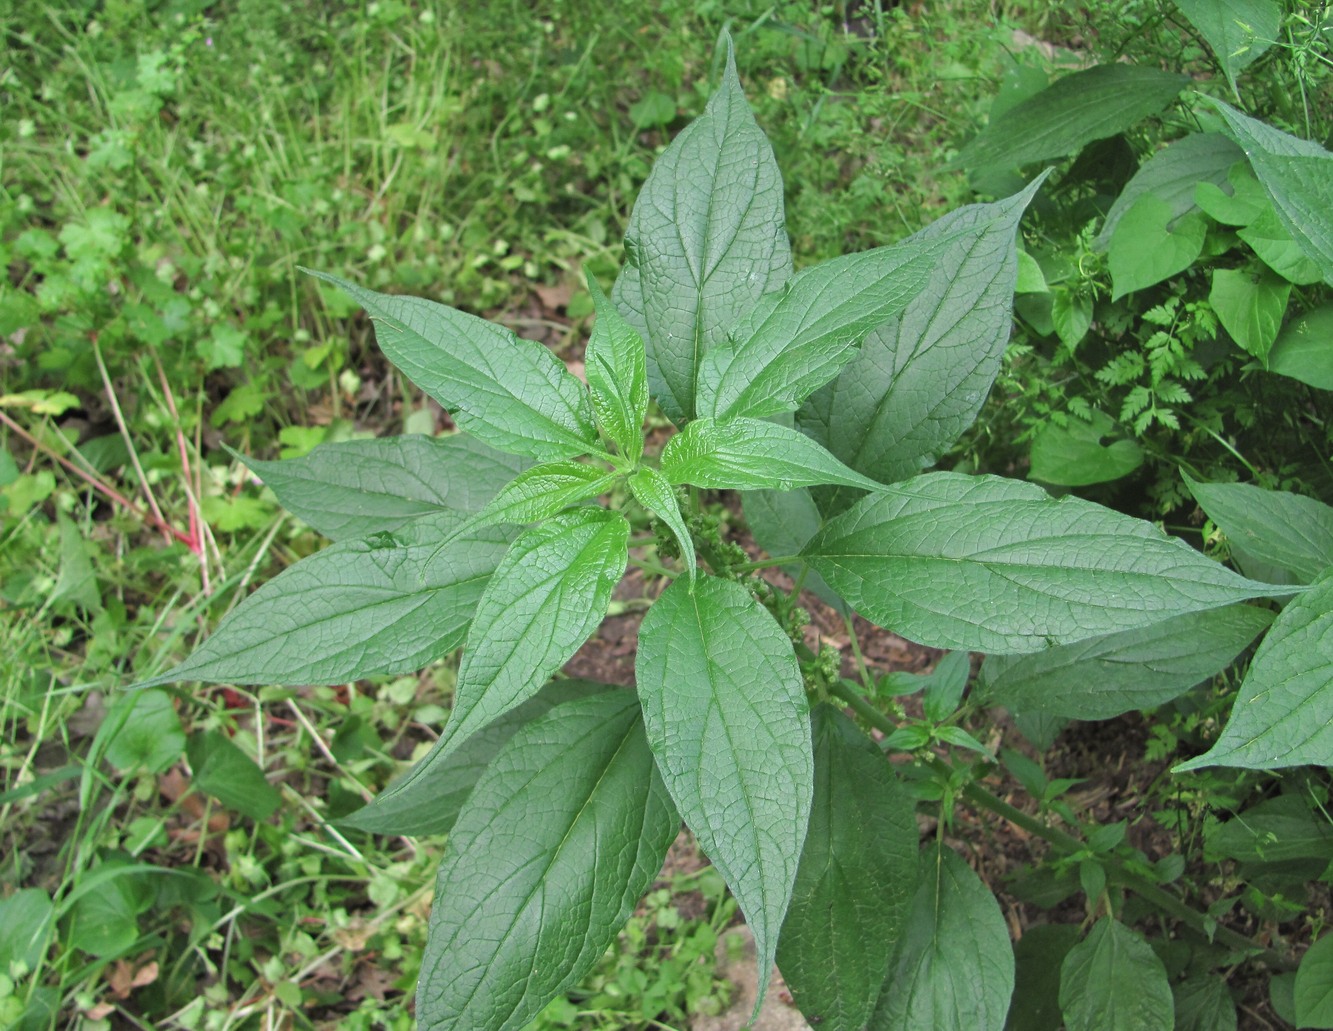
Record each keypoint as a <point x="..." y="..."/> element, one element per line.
<point x="165" y="168"/>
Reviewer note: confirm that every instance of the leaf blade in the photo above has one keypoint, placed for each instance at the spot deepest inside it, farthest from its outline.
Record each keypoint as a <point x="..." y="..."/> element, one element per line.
<point x="750" y="454"/>
<point x="513" y="394"/>
<point x="980" y="563"/>
<point x="1113" y="981"/>
<point x="390" y="603"/>
<point x="706" y="240"/>
<point x="855" y="882"/>
<point x="953" y="969"/>
<point x="919" y="380"/>
<point x="358" y="487"/>
<point x="726" y="716"/>
<point x="520" y="911"/>
<point x="1286" y="530"/>
<point x="1283" y="714"/>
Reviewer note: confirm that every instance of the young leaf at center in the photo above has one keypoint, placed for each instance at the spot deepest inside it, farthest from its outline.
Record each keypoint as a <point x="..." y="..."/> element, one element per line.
<point x="617" y="377"/>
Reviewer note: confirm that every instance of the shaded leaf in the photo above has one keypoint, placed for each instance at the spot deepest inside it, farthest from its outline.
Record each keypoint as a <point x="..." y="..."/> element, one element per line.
<point x="426" y="800"/>
<point x="150" y="736"/>
<point x="26" y="917"/>
<point x="221" y="770"/>
<point x="856" y="878"/>
<point x="1102" y="677"/>
<point x="1037" y="958"/>
<point x="1203" y="1003"/>
<point x="1071" y="112"/>
<point x="1286" y="530"/>
<point x="953" y="969"/>
<point x="725" y="709"/>
<point x="1073" y="455"/>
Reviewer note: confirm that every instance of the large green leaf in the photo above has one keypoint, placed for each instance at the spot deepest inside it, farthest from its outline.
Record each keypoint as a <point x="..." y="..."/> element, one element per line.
<point x="797" y="338"/>
<point x="1250" y="304"/>
<point x="725" y="709"/>
<point x="1071" y="112"/>
<point x="512" y="394"/>
<point x="359" y="487"/>
<point x="987" y="564"/>
<point x="1239" y="31"/>
<point x="26" y="917"/>
<point x="1304" y="349"/>
<point x="1074" y="455"/>
<point x="1113" y="981"/>
<point x="1172" y="175"/>
<point x="1134" y="669"/>
<point x="751" y="454"/>
<point x="1283" y="714"/>
<point x="389" y="603"/>
<point x="549" y="592"/>
<point x="427" y="799"/>
<point x="615" y="364"/>
<point x="953" y="969"/>
<point x="1151" y="244"/>
<point x="1297" y="174"/>
<point x="1286" y="530"/>
<point x="149" y="734"/>
<point x="919" y="380"/>
<point x="562" y="834"/>
<point x="855" y="881"/>
<point x="1314" y="985"/>
<point x="705" y="241"/>
<point x="1037" y="958"/>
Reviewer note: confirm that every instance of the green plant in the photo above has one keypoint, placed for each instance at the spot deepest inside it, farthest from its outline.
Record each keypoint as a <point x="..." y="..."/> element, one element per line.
<point x="1165" y="262"/>
<point x="820" y="395"/>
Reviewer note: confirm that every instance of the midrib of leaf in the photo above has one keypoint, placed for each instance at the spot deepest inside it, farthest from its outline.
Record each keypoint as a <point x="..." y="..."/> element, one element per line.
<point x="556" y="852"/>
<point x="702" y="276"/>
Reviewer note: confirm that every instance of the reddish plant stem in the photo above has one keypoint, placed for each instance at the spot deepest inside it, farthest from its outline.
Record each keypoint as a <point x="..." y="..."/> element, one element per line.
<point x="102" y="488"/>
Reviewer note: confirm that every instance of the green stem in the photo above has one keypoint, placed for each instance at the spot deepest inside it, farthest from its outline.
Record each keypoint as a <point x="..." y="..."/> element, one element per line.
<point x="766" y="563"/>
<point x="1068" y="843"/>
